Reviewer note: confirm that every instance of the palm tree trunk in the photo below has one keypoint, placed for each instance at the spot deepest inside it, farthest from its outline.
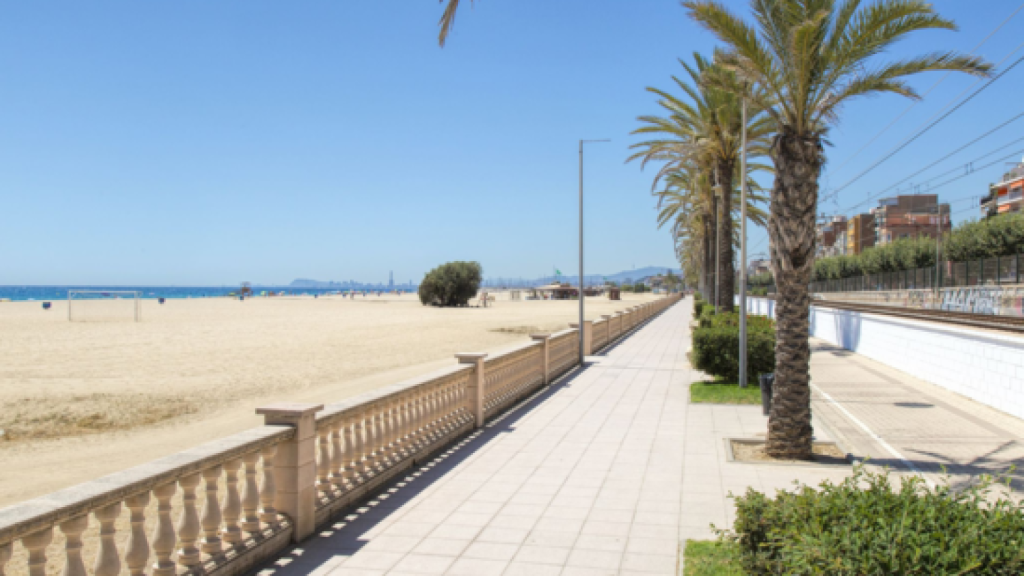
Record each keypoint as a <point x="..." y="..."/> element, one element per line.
<point x="794" y="203"/>
<point x="726" y="286"/>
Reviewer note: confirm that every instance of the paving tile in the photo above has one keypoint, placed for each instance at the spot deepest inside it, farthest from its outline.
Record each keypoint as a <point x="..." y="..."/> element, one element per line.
<point x="542" y="555"/>
<point x="441" y="546"/>
<point x="527" y="569"/>
<point x="477" y="567"/>
<point x="498" y="533"/>
<point x="650" y="563"/>
<point x="490" y="551"/>
<point x="545" y="538"/>
<point x="597" y="559"/>
<point x="424" y="564"/>
<point x="600" y="542"/>
<point x="375" y="560"/>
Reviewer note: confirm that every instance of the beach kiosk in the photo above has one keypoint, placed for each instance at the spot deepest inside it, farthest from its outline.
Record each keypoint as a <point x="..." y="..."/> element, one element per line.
<point x="556" y="291"/>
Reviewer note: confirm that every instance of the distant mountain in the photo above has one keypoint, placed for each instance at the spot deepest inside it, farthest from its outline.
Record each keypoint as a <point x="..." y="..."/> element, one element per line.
<point x="619" y="277"/>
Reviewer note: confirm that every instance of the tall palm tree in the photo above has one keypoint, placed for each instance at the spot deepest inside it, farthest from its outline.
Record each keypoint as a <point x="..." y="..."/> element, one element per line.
<point x="812" y="56"/>
<point x="706" y="130"/>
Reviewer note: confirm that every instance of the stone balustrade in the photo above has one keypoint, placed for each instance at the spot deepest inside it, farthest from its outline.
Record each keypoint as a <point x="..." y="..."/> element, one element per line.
<point x="228" y="505"/>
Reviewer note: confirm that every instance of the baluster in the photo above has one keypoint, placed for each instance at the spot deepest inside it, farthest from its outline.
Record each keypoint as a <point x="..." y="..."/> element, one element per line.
<point x="211" y="518"/>
<point x="359" y="455"/>
<point x="323" y="465"/>
<point x="164" y="536"/>
<point x="404" y="411"/>
<point x="5" y="556"/>
<point x="136" y="553"/>
<point x="188" y="523"/>
<point x="337" y="477"/>
<point x="373" y="453"/>
<point x="36" y="544"/>
<point x="232" y="505"/>
<point x="351" y="450"/>
<point x="446" y="411"/>
<point x="416" y="418"/>
<point x="250" y="496"/>
<point x="72" y="529"/>
<point x="386" y="434"/>
<point x="268" y="491"/>
<point x="108" y="563"/>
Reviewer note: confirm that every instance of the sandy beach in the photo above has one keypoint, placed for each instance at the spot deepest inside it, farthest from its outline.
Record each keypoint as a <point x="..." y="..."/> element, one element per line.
<point x="82" y="399"/>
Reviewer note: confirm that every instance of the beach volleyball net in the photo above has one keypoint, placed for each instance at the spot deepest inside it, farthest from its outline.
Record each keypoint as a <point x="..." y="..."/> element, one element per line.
<point x="104" y="306"/>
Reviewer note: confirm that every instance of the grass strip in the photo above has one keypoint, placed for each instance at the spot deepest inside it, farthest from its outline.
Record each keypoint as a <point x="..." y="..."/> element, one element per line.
<point x="712" y="558"/>
<point x="719" y="392"/>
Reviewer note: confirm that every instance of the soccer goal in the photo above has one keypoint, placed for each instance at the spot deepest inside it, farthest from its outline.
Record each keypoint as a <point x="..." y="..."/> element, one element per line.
<point x="104" y="306"/>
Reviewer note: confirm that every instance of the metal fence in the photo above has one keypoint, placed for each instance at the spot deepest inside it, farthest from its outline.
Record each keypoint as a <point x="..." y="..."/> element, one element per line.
<point x="983" y="272"/>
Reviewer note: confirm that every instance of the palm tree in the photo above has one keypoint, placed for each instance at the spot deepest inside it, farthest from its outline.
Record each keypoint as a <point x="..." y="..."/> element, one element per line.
<point x="811" y="56"/>
<point x="706" y="131"/>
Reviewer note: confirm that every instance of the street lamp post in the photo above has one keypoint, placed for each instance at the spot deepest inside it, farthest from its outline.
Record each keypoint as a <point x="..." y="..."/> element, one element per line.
<point x="582" y="355"/>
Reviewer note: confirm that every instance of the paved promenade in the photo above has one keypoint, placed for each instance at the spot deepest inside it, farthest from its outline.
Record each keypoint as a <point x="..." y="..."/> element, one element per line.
<point x="611" y="469"/>
<point x="604" y="473"/>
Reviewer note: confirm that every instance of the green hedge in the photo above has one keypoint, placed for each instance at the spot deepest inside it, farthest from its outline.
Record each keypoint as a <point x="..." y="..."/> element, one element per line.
<point x="865" y="525"/>
<point x="716" y="346"/>
<point x="698" y="307"/>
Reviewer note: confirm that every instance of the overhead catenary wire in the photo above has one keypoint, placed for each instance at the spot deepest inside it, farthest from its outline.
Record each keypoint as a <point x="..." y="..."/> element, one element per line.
<point x="920" y="133"/>
<point x="937" y="162"/>
<point x="926" y="92"/>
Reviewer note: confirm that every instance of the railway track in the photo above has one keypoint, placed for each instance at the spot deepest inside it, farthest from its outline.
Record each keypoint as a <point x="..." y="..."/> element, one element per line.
<point x="988" y="321"/>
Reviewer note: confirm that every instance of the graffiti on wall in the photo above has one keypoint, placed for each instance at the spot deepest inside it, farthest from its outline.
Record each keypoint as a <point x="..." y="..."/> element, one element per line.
<point x="985" y="300"/>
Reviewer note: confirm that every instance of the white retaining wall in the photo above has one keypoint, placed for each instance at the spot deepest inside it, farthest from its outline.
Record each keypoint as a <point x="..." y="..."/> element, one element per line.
<point x="984" y="365"/>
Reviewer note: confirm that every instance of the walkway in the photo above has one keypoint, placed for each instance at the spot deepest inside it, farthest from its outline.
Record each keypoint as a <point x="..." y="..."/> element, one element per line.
<point x="611" y="469"/>
<point x="905" y="423"/>
<point x="604" y="473"/>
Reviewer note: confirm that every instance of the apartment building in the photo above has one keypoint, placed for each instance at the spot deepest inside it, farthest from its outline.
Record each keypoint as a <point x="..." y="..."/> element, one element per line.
<point x="860" y="233"/>
<point x="1005" y="196"/>
<point x="909" y="217"/>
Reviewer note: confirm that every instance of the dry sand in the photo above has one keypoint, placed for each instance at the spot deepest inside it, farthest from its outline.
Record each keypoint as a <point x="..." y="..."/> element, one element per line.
<point x="79" y="400"/>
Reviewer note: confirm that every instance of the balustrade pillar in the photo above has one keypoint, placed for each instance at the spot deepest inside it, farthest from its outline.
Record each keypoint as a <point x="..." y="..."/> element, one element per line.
<point x="476" y="388"/>
<point x="136" y="553"/>
<point x="545" y="340"/>
<point x="5" y="556"/>
<point x="337" y="477"/>
<point x="108" y="563"/>
<point x="295" y="466"/>
<point x="188" y="525"/>
<point x="268" y="488"/>
<point x="211" y="516"/>
<point x="250" y="496"/>
<point x="588" y="335"/>
<point x="36" y="544"/>
<point x="72" y="529"/>
<point x="232" y="505"/>
<point x="164" y="536"/>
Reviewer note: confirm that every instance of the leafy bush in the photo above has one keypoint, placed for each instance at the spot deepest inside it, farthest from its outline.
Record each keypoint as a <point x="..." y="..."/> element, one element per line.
<point x="865" y="525"/>
<point x="698" y="305"/>
<point x="716" y="346"/>
<point x="451" y="284"/>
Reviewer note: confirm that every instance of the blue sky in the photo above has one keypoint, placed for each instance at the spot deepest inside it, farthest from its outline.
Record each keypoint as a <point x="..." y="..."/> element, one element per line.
<point x="210" y="143"/>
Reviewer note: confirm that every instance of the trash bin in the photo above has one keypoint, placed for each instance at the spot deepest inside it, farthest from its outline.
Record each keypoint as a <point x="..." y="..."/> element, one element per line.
<point x="47" y="305"/>
<point x="766" y="381"/>
<point x="161" y="300"/>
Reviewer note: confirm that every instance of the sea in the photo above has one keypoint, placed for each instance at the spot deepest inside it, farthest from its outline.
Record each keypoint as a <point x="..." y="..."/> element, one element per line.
<point x="22" y="293"/>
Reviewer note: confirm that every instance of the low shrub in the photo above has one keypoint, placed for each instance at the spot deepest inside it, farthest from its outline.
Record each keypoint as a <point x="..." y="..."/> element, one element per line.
<point x="698" y="307"/>
<point x="865" y="525"/>
<point x="716" y="347"/>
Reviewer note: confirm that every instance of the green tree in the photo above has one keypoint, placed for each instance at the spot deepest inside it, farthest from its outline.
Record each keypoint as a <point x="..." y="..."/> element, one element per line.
<point x="451" y="284"/>
<point x="811" y="57"/>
